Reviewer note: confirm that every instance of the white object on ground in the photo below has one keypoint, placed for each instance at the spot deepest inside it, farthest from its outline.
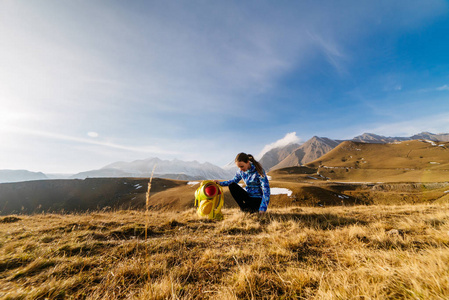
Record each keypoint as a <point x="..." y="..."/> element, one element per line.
<point x="280" y="191"/>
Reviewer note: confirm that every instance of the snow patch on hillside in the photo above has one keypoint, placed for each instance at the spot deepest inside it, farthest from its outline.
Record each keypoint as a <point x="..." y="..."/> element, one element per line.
<point x="430" y="142"/>
<point x="280" y="191"/>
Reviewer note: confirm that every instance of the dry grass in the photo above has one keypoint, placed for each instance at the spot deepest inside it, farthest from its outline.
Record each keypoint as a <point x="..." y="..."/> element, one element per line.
<point x="360" y="252"/>
<point x="408" y="161"/>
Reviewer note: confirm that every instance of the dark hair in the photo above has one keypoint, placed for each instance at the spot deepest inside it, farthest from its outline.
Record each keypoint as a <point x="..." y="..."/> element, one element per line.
<point x="248" y="157"/>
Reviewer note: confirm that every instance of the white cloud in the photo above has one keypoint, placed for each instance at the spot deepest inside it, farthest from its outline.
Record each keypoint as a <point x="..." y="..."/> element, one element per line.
<point x="443" y="88"/>
<point x="289" y="138"/>
<point x="92" y="134"/>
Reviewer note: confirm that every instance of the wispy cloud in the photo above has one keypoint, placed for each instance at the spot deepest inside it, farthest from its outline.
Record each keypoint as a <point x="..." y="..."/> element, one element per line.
<point x="443" y="88"/>
<point x="331" y="51"/>
<point x="289" y="138"/>
<point x="93" y="140"/>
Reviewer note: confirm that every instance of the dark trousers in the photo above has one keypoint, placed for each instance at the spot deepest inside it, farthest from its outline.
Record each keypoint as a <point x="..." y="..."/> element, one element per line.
<point x="246" y="203"/>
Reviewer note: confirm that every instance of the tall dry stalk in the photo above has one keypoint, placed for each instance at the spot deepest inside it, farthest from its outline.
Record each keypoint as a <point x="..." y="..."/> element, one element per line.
<point x="147" y="203"/>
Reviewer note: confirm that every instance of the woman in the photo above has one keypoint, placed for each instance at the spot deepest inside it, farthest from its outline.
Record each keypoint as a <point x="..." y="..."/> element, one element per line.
<point x="257" y="194"/>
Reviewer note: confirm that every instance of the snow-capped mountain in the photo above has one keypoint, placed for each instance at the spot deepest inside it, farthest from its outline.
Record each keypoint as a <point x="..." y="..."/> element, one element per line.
<point x="374" y="138"/>
<point x="176" y="169"/>
<point x="378" y="139"/>
<point x="281" y="157"/>
<point x="440" y="137"/>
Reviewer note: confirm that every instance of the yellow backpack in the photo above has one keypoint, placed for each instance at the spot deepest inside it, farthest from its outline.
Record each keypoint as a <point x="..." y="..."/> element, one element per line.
<point x="209" y="199"/>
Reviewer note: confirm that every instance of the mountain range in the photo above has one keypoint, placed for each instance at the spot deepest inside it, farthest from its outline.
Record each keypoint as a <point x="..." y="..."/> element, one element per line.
<point x="287" y="156"/>
<point x="172" y="169"/>
<point x="374" y="138"/>
<point x="296" y="155"/>
<point x="319" y="146"/>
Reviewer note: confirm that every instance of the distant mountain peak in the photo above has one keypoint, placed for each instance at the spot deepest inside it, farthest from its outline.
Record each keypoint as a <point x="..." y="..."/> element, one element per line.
<point x="319" y="146"/>
<point x="164" y="168"/>
<point x="20" y="175"/>
<point x="276" y="155"/>
<point x="375" y="138"/>
<point x="308" y="151"/>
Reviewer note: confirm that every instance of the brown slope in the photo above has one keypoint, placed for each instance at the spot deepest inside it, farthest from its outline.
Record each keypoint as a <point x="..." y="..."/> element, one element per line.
<point x="275" y="156"/>
<point x="94" y="194"/>
<point x="74" y="195"/>
<point x="415" y="160"/>
<point x="183" y="197"/>
<point x="307" y="152"/>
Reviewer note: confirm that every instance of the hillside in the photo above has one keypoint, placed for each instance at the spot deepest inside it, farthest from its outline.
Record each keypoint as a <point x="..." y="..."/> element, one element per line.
<point x="407" y="161"/>
<point x="404" y="172"/>
<point x="362" y="252"/>
<point x="296" y="155"/>
<point x="291" y="187"/>
<point x="76" y="195"/>
<point x="307" y="152"/>
<point x="103" y="194"/>
<point x="276" y="155"/>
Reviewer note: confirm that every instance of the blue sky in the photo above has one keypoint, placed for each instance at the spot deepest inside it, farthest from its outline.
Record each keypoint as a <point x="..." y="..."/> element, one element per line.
<point x="87" y="83"/>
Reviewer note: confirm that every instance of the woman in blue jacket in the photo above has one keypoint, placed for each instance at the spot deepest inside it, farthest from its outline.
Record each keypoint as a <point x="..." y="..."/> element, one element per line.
<point x="257" y="194"/>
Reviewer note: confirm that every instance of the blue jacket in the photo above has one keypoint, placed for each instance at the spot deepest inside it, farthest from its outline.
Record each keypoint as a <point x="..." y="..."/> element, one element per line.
<point x="256" y="185"/>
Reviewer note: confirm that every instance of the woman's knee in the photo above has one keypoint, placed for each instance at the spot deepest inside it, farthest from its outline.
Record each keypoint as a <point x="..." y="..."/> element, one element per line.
<point x="233" y="185"/>
<point x="235" y="188"/>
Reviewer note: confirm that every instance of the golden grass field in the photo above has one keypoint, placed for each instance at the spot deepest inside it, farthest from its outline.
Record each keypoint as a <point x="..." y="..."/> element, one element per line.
<point x="352" y="252"/>
<point x="365" y="221"/>
<point x="408" y="161"/>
